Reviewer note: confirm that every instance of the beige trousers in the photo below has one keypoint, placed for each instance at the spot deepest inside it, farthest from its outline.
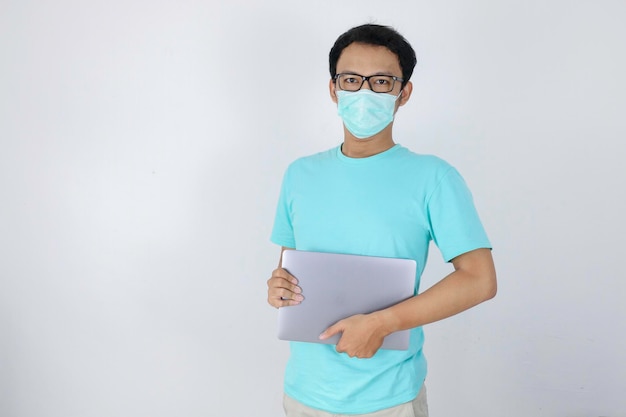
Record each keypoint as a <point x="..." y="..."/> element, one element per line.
<point x="416" y="408"/>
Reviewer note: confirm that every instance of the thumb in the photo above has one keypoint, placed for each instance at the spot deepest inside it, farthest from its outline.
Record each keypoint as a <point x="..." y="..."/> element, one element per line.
<point x="332" y="330"/>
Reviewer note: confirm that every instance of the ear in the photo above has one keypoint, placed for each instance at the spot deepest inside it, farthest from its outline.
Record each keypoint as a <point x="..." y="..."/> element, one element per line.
<point x="332" y="87"/>
<point x="406" y="94"/>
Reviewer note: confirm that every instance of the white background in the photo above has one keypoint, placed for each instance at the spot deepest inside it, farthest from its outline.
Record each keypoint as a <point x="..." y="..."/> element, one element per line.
<point x="142" y="148"/>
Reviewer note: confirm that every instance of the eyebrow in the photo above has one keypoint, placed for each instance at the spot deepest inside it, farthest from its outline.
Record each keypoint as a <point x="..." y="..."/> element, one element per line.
<point x="371" y="75"/>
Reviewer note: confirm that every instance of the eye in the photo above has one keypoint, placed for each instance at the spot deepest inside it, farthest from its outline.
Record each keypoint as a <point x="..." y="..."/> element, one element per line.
<point x="382" y="83"/>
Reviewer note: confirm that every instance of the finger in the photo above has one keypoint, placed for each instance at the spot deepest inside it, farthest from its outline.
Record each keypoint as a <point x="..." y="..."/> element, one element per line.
<point x="283" y="273"/>
<point x="332" y="330"/>
<point x="281" y="279"/>
<point x="281" y="297"/>
<point x="285" y="294"/>
<point x="282" y="288"/>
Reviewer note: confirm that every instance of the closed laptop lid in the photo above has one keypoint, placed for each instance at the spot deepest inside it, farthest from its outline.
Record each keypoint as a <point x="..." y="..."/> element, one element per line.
<point x="336" y="286"/>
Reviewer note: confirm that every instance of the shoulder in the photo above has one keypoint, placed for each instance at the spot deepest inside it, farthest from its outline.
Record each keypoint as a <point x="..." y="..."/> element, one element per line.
<point x="313" y="161"/>
<point x="423" y="163"/>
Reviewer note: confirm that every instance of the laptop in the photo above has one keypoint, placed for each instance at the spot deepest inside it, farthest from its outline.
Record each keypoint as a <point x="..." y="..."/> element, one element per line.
<point x="336" y="286"/>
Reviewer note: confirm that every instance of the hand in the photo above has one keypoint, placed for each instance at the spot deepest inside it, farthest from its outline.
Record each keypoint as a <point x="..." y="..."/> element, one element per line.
<point x="363" y="335"/>
<point x="283" y="290"/>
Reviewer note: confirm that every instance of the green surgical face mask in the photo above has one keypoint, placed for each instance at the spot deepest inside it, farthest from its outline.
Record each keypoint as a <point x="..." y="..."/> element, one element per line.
<point x="364" y="112"/>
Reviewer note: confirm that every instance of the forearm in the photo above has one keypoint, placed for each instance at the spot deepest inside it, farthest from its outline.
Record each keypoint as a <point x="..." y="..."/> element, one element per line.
<point x="462" y="289"/>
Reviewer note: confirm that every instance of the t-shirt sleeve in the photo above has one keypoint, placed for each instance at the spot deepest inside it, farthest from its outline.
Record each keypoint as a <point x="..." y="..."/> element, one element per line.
<point x="454" y="222"/>
<point x="282" y="232"/>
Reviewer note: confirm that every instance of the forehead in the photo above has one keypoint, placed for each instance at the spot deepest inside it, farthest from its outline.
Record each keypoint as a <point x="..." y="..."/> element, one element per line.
<point x="366" y="59"/>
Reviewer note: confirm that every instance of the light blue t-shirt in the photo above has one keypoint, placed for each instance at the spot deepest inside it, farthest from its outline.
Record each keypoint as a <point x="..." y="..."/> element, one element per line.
<point x="391" y="204"/>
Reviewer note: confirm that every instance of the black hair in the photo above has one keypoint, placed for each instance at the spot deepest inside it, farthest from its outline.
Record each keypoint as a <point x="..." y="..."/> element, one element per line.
<point x="371" y="34"/>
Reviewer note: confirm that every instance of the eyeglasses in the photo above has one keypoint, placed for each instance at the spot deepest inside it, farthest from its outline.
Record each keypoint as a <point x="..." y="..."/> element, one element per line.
<point x="377" y="83"/>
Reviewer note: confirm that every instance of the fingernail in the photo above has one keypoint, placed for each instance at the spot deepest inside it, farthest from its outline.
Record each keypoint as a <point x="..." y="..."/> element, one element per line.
<point x="298" y="297"/>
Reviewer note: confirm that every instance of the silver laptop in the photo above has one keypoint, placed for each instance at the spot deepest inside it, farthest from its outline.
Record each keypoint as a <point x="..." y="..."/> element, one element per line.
<point x="336" y="286"/>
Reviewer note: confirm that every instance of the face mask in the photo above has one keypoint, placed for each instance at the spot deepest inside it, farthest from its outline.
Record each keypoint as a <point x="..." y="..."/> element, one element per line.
<point x="364" y="112"/>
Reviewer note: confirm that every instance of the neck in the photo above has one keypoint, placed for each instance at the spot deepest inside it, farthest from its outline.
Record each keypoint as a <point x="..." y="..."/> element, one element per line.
<point x="362" y="148"/>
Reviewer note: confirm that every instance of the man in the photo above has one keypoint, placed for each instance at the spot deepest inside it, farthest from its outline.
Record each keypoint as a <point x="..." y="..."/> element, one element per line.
<point x="371" y="196"/>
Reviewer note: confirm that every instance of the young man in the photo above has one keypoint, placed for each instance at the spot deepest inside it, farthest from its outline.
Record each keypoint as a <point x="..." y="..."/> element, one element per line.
<point x="371" y="196"/>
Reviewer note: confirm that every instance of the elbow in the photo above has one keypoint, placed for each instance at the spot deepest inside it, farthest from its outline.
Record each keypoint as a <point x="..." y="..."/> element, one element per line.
<point x="490" y="288"/>
<point x="479" y="266"/>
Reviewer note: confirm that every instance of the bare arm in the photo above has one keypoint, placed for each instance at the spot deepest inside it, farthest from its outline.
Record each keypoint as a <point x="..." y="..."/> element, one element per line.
<point x="472" y="282"/>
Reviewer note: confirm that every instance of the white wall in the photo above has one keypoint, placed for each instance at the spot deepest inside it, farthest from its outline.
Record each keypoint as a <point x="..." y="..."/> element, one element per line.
<point x="142" y="147"/>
